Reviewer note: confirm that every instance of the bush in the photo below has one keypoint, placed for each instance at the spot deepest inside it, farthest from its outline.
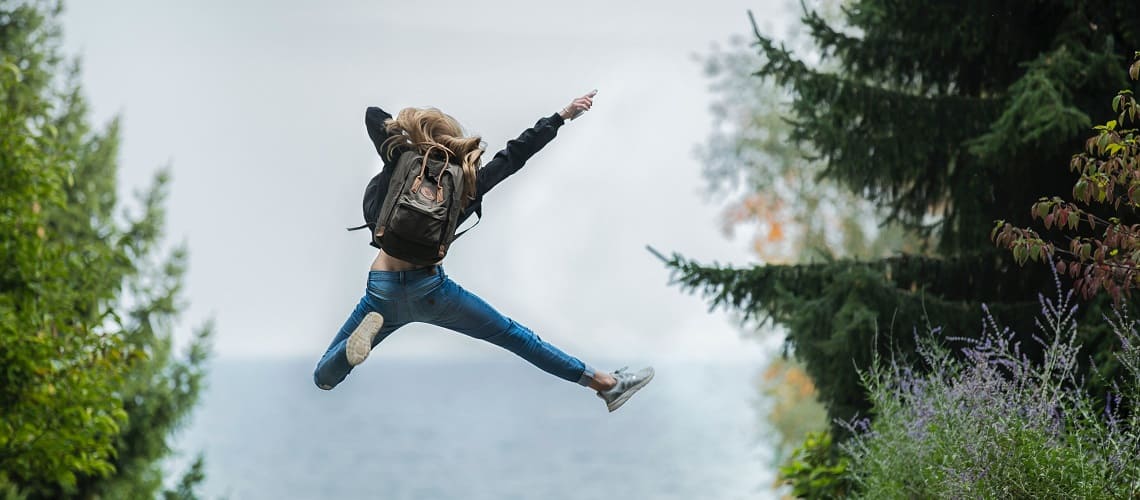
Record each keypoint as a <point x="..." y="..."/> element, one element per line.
<point x="816" y="469"/>
<point x="990" y="423"/>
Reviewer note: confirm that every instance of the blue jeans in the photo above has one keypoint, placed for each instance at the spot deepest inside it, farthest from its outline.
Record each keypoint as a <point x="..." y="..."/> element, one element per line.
<point x="427" y="295"/>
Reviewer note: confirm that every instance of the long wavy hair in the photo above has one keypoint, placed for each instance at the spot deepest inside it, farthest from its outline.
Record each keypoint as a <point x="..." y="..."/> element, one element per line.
<point x="428" y="128"/>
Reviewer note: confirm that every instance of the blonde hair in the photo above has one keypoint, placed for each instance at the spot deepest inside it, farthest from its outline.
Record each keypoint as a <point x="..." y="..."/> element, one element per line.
<point x="429" y="128"/>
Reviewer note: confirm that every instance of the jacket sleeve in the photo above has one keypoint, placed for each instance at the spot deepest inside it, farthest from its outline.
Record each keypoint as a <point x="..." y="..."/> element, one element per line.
<point x="511" y="159"/>
<point x="517" y="152"/>
<point x="374" y="119"/>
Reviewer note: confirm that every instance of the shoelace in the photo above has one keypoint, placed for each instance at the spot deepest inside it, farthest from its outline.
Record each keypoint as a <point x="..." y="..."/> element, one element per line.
<point x="622" y="376"/>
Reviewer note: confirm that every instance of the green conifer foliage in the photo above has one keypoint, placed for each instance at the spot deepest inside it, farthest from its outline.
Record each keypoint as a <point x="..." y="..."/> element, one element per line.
<point x="89" y="387"/>
<point x="949" y="116"/>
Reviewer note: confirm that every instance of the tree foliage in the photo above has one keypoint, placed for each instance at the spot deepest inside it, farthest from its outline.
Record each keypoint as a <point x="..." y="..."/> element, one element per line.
<point x="792" y="405"/>
<point x="946" y="117"/>
<point x="774" y="183"/>
<point x="774" y="186"/>
<point x="1100" y="253"/>
<point x="90" y="389"/>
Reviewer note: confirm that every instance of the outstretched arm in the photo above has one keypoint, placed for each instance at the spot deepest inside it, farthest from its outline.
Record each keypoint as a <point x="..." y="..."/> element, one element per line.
<point x="518" y="151"/>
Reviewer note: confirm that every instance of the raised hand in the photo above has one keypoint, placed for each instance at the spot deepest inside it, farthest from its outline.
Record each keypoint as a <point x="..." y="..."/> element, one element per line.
<point x="578" y="106"/>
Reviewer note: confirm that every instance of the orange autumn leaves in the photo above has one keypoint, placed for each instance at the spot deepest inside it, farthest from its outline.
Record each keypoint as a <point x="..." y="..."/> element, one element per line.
<point x="793" y="408"/>
<point x="769" y="213"/>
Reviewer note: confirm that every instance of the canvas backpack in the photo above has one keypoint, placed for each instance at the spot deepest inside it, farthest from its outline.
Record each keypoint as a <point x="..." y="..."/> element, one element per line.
<point x="421" y="207"/>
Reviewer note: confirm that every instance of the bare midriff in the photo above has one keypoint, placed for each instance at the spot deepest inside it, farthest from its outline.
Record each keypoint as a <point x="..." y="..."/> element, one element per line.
<point x="385" y="262"/>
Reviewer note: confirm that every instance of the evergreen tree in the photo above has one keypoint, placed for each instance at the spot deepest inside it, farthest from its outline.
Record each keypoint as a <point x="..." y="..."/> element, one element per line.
<point x="948" y="116"/>
<point x="90" y="390"/>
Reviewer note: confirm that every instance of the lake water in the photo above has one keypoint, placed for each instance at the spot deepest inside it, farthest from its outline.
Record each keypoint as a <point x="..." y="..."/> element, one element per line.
<point x="496" y="429"/>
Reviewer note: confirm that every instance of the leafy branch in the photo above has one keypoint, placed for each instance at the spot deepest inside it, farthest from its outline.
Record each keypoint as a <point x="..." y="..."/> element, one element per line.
<point x="1107" y="256"/>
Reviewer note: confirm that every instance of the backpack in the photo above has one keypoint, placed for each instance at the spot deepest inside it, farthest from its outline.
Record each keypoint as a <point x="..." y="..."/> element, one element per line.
<point x="416" y="220"/>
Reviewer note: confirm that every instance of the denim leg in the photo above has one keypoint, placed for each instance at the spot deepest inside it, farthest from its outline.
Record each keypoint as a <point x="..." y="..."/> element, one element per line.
<point x="456" y="309"/>
<point x="333" y="366"/>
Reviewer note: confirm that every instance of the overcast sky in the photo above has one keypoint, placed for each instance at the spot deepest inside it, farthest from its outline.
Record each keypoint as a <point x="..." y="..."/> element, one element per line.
<point x="258" y="108"/>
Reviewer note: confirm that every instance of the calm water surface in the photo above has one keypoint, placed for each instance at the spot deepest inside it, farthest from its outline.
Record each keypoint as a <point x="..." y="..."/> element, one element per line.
<point x="496" y="429"/>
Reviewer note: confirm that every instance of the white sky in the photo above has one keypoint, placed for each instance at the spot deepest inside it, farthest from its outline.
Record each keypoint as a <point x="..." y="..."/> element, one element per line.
<point x="258" y="107"/>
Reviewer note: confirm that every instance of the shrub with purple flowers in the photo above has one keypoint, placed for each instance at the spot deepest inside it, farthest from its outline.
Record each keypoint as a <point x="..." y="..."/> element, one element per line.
<point x="986" y="421"/>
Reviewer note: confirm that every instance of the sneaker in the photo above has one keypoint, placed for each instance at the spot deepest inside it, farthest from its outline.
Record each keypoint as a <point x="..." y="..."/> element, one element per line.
<point x="627" y="384"/>
<point x="360" y="342"/>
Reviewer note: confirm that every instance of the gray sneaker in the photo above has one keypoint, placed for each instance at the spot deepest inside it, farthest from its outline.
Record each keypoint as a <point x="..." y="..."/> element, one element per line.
<point x="360" y="342"/>
<point x="627" y="384"/>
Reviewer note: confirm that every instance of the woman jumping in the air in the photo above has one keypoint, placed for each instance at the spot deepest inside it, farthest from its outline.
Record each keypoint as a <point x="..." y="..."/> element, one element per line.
<point x="404" y="288"/>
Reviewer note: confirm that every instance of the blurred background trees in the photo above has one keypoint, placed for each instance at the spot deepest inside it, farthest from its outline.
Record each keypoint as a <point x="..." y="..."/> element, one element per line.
<point x="90" y="386"/>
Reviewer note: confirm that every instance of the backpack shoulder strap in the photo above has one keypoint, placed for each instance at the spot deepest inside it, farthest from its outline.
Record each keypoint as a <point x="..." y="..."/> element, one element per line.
<point x="376" y="197"/>
<point x="478" y="219"/>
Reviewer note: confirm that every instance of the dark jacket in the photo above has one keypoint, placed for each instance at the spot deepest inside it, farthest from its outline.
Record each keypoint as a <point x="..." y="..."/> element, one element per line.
<point x="505" y="162"/>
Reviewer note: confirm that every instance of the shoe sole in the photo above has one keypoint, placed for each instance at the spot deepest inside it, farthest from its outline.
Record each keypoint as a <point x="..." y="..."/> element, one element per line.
<point x="360" y="342"/>
<point x="628" y="394"/>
